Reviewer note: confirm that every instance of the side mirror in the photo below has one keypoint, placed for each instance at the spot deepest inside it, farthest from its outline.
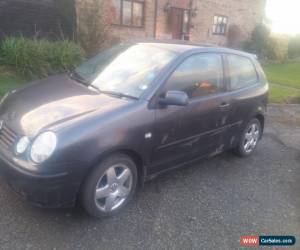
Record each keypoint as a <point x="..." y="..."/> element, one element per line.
<point x="176" y="98"/>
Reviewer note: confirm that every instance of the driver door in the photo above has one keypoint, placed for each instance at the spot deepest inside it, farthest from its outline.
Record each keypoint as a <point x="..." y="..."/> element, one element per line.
<point x="192" y="131"/>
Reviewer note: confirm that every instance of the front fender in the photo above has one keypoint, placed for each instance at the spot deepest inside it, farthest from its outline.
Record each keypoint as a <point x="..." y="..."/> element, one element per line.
<point x="90" y="142"/>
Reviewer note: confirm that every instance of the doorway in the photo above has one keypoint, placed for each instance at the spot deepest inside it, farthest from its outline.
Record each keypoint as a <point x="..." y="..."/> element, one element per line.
<point x="180" y="23"/>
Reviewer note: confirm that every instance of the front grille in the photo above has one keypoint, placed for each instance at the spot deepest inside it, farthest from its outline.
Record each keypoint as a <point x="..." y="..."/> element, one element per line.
<point x="7" y="137"/>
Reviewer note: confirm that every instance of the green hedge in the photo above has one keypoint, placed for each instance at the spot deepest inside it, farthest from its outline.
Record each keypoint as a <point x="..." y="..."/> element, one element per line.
<point x="39" y="58"/>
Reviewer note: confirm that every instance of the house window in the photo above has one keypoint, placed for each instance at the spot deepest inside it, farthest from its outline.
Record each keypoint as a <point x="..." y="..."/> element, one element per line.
<point x="128" y="12"/>
<point x="220" y="25"/>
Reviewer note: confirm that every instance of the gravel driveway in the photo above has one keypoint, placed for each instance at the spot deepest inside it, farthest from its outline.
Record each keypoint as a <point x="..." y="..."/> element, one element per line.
<point x="207" y="205"/>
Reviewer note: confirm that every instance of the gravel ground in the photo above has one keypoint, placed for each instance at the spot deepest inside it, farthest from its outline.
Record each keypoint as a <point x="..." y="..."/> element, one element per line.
<point x="206" y="205"/>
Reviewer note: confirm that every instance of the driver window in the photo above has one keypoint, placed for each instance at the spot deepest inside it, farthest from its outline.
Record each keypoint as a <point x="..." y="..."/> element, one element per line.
<point x="199" y="75"/>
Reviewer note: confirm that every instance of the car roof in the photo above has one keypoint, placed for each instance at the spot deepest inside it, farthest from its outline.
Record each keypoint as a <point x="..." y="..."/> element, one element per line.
<point x="180" y="46"/>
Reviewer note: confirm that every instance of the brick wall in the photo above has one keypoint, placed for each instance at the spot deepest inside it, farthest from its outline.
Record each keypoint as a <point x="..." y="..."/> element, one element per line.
<point x="245" y="14"/>
<point x="132" y="33"/>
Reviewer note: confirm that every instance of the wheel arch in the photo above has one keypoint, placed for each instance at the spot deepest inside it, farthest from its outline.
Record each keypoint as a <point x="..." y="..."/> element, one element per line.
<point x="133" y="154"/>
<point x="261" y="118"/>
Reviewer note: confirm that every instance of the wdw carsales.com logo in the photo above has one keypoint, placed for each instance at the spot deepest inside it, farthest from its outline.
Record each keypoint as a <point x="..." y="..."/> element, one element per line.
<point x="254" y="241"/>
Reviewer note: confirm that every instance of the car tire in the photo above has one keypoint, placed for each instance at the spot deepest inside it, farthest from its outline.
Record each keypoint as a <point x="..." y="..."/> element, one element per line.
<point x="249" y="138"/>
<point x="110" y="186"/>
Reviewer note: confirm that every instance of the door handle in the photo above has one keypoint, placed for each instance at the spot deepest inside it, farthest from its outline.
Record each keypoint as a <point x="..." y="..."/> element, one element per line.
<point x="224" y="105"/>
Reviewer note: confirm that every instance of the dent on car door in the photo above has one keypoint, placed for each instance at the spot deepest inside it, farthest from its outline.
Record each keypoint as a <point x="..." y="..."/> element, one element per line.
<point x="185" y="133"/>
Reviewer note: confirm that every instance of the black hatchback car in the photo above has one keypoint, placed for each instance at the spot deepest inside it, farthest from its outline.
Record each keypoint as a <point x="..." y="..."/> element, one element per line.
<point x="126" y="115"/>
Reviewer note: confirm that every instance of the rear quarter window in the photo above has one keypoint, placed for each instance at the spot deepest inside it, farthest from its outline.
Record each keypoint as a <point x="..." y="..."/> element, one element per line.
<point x="242" y="72"/>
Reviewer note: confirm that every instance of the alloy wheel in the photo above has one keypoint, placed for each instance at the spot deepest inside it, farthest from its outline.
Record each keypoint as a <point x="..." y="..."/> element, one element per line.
<point x="113" y="188"/>
<point x="251" y="138"/>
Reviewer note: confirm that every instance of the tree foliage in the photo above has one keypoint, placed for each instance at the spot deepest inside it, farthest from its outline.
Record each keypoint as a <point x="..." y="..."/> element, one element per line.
<point x="93" y="31"/>
<point x="267" y="45"/>
<point x="259" y="41"/>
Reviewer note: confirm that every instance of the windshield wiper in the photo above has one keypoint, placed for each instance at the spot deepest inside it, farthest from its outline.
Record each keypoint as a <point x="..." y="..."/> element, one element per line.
<point x="75" y="76"/>
<point x="115" y="93"/>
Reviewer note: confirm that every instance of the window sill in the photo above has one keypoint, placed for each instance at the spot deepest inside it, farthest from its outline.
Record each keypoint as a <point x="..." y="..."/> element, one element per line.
<point x="218" y="34"/>
<point x="128" y="26"/>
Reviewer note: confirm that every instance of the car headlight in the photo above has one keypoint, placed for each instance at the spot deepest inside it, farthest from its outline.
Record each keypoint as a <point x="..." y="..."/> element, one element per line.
<point x="22" y="145"/>
<point x="43" y="147"/>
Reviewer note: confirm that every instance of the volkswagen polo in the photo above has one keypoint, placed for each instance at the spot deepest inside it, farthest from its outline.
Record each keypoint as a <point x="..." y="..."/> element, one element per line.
<point x="131" y="112"/>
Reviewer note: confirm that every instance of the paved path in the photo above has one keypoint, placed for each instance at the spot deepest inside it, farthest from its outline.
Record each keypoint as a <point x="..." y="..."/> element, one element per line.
<point x="285" y="86"/>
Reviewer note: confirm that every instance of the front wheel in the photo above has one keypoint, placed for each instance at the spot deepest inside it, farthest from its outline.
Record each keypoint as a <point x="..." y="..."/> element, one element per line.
<point x="110" y="186"/>
<point x="249" y="138"/>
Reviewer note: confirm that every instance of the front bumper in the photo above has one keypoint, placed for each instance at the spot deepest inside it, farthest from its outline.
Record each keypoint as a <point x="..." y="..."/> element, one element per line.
<point x="43" y="190"/>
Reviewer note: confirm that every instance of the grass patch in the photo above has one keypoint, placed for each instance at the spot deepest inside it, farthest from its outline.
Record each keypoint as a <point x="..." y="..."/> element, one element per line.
<point x="280" y="94"/>
<point x="9" y="81"/>
<point x="285" y="74"/>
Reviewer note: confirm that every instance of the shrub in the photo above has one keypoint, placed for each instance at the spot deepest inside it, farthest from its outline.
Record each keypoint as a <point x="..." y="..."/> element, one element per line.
<point x="259" y="41"/>
<point x="64" y="56"/>
<point x="294" y="47"/>
<point x="93" y="29"/>
<point x="39" y="58"/>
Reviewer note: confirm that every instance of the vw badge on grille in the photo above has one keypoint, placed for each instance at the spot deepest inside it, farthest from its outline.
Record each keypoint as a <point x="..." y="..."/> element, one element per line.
<point x="1" y="124"/>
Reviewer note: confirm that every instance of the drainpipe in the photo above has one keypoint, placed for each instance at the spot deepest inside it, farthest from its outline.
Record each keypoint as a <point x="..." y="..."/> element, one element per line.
<point x="190" y="17"/>
<point x="155" y="17"/>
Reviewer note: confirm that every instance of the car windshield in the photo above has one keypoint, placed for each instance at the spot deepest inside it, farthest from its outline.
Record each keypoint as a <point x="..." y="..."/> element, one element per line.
<point x="127" y="70"/>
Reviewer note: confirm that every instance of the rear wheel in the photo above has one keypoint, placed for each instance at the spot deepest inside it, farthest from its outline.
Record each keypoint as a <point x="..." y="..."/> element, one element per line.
<point x="249" y="138"/>
<point x="110" y="186"/>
